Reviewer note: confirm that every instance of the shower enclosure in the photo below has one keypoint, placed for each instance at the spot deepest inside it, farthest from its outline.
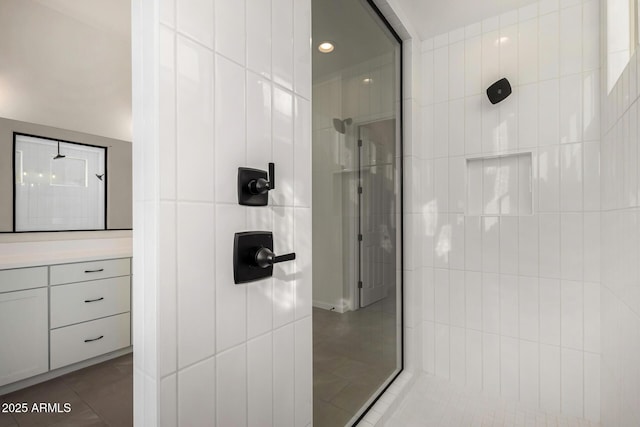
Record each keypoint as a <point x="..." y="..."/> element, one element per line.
<point x="357" y="225"/>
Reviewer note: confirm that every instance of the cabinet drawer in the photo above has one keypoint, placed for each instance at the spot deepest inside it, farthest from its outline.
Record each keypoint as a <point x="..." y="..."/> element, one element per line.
<point x="91" y="270"/>
<point x="23" y="278"/>
<point x="84" y="301"/>
<point x="86" y="340"/>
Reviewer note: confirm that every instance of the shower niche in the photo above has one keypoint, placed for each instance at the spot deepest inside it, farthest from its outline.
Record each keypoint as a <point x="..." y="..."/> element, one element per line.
<point x="500" y="185"/>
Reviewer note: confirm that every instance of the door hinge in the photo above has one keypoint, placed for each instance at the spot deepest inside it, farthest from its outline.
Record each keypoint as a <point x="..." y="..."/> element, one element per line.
<point x="359" y="143"/>
<point x="359" y="190"/>
<point x="360" y="284"/>
<point x="359" y="237"/>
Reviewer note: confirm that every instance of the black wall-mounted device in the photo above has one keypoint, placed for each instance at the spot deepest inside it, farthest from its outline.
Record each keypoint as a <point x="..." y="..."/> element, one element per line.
<point x="253" y="256"/>
<point x="499" y="91"/>
<point x="254" y="185"/>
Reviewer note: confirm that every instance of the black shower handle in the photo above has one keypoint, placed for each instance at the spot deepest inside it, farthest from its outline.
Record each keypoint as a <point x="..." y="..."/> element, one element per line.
<point x="272" y="176"/>
<point x="261" y="185"/>
<point x="265" y="257"/>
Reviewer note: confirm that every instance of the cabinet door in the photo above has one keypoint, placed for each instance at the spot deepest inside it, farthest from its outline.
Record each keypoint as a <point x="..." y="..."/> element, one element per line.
<point x="23" y="334"/>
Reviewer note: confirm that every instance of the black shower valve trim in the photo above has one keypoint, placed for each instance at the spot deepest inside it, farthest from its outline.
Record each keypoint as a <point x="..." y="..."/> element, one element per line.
<point x="255" y="184"/>
<point x="262" y="185"/>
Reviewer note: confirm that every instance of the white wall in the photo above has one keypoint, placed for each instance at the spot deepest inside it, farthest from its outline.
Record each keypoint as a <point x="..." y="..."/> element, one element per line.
<point x="67" y="70"/>
<point x="343" y="95"/>
<point x="67" y="66"/>
<point x="511" y="304"/>
<point x="332" y="270"/>
<point x="218" y="86"/>
<point x="620" y="249"/>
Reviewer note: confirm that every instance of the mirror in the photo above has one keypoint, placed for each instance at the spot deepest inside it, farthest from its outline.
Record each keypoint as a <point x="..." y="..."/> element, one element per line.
<point x="32" y="200"/>
<point x="58" y="185"/>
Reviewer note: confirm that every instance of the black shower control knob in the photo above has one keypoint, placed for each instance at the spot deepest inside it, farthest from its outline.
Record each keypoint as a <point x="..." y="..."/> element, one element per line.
<point x="259" y="186"/>
<point x="266" y="258"/>
<point x="254" y="185"/>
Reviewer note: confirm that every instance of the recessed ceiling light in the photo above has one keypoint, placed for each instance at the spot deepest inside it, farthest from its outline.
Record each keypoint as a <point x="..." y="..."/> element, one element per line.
<point x="367" y="81"/>
<point x="326" y="47"/>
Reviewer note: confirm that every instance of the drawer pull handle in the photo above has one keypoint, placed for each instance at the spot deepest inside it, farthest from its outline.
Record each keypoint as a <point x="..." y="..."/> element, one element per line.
<point x="94" y="339"/>
<point x="94" y="300"/>
<point x="94" y="271"/>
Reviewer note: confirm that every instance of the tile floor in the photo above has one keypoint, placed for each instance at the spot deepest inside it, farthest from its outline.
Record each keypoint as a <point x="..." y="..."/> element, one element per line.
<point x="434" y="402"/>
<point x="100" y="395"/>
<point x="353" y="354"/>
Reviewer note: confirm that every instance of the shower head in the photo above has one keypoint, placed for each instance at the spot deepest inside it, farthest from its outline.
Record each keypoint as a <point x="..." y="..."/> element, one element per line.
<point x="341" y="125"/>
<point x="59" y="156"/>
<point x="498" y="91"/>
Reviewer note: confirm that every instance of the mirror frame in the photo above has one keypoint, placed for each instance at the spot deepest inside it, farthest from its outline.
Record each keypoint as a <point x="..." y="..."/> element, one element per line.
<point x="58" y="140"/>
<point x="119" y="164"/>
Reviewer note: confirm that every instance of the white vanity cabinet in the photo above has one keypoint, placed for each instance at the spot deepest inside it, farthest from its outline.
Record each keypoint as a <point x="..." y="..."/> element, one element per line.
<point x="57" y="315"/>
<point x="24" y="326"/>
<point x="90" y="305"/>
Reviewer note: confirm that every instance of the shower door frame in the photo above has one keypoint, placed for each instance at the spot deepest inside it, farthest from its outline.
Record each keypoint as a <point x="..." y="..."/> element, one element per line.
<point x="400" y="145"/>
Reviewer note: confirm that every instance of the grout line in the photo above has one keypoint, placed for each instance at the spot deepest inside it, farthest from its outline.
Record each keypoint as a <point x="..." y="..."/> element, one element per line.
<point x="448" y="216"/>
<point x="245" y="79"/>
<point x="582" y="184"/>
<point x="292" y="323"/>
<point x="235" y="62"/>
<point x="273" y="284"/>
<point x="214" y="64"/>
<point x="175" y="219"/>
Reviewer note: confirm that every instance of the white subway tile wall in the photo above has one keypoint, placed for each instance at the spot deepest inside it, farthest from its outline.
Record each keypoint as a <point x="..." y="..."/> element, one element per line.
<point x="551" y="302"/>
<point x="234" y="90"/>
<point x="510" y="272"/>
<point x="434" y="402"/>
<point x="620" y="252"/>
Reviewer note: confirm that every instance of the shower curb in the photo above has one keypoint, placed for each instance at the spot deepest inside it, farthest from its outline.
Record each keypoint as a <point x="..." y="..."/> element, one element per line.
<point x="384" y="408"/>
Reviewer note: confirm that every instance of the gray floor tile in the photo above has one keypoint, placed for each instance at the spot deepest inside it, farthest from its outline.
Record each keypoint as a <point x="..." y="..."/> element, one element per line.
<point x="350" y="360"/>
<point x="328" y="415"/>
<point x="326" y="385"/>
<point x="112" y="402"/>
<point x="7" y="420"/>
<point x="100" y="395"/>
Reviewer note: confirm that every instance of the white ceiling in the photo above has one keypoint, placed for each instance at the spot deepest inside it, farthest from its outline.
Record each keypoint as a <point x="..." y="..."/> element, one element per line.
<point x="355" y="31"/>
<point x="357" y="35"/>
<point x="67" y="64"/>
<point x="112" y="16"/>
<point x="432" y="17"/>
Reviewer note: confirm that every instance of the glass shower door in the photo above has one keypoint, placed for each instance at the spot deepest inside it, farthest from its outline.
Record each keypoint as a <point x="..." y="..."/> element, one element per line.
<point x="356" y="207"/>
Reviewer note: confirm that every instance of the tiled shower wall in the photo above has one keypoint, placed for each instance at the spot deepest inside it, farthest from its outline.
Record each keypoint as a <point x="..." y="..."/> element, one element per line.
<point x="511" y="301"/>
<point x="232" y="88"/>
<point x="620" y="249"/>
